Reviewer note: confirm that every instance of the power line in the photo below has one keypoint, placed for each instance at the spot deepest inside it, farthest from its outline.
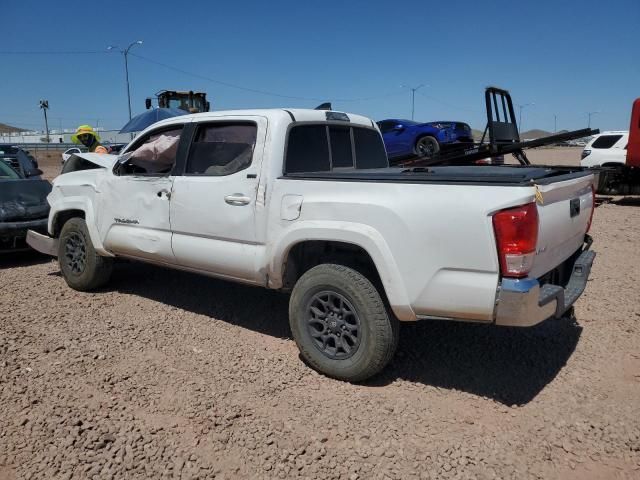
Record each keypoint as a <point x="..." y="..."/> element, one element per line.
<point x="254" y="90"/>
<point x="196" y="75"/>
<point x="51" y="52"/>
<point x="447" y="104"/>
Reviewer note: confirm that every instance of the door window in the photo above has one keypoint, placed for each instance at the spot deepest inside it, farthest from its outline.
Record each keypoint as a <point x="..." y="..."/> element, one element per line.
<point x="153" y="154"/>
<point x="222" y="149"/>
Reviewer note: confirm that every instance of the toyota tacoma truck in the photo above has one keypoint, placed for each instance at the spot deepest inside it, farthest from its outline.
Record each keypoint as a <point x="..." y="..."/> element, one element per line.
<point x="304" y="201"/>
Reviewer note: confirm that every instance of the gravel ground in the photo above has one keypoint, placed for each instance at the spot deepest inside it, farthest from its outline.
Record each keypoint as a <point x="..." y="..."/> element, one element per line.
<point x="166" y="374"/>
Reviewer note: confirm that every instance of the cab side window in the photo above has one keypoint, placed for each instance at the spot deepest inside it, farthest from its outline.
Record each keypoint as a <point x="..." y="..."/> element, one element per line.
<point x="221" y="148"/>
<point x="153" y="154"/>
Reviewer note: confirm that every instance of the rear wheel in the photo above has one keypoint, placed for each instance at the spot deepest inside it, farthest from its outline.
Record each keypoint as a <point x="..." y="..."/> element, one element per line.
<point x="82" y="268"/>
<point x="340" y="323"/>
<point x="426" y="147"/>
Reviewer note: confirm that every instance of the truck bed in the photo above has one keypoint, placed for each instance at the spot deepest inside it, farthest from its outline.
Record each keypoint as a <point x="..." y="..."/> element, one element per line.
<point x="509" y="176"/>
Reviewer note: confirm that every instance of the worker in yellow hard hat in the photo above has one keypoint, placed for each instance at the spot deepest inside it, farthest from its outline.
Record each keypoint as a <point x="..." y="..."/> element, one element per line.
<point x="87" y="136"/>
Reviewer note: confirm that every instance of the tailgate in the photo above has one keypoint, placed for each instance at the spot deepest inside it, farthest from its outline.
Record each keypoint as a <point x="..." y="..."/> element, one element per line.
<point x="564" y="218"/>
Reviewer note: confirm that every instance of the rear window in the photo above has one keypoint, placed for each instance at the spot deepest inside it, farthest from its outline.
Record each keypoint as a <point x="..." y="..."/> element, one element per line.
<point x="606" y="141"/>
<point x="370" y="151"/>
<point x="322" y="148"/>
<point x="340" y="140"/>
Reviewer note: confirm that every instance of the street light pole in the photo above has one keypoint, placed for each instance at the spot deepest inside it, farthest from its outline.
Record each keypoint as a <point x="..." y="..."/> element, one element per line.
<point x="125" y="52"/>
<point x="589" y="115"/>
<point x="413" y="96"/>
<point x="44" y="105"/>
<point x="520" y="116"/>
<point x="555" y="123"/>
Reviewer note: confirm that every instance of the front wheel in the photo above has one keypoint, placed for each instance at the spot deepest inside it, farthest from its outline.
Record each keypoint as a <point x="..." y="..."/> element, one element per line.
<point x="82" y="268"/>
<point x="427" y="147"/>
<point x="340" y="323"/>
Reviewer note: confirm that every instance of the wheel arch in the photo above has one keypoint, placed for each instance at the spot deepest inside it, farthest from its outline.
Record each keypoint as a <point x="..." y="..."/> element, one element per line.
<point x="359" y="247"/>
<point x="62" y="217"/>
<point x="73" y="207"/>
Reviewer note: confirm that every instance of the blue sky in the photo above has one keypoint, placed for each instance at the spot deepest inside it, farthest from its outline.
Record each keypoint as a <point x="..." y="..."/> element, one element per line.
<point x="567" y="57"/>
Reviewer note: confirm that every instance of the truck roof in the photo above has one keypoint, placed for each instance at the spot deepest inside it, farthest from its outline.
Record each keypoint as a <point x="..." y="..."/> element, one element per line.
<point x="294" y="114"/>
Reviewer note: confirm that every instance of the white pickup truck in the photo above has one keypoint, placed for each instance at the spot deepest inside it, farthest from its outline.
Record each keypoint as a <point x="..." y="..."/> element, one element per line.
<point x="304" y="201"/>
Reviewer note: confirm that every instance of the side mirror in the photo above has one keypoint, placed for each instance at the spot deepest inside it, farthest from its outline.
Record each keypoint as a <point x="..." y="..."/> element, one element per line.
<point x="398" y="128"/>
<point x="147" y="103"/>
<point x="34" y="173"/>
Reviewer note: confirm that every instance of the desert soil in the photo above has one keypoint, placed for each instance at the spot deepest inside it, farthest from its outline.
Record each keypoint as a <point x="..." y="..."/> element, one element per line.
<point x="165" y="374"/>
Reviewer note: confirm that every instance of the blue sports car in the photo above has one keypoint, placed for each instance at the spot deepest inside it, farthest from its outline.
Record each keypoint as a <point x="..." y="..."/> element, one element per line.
<point x="406" y="138"/>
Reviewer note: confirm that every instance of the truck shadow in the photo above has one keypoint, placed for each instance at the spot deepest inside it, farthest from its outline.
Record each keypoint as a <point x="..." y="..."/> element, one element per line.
<point x="627" y="201"/>
<point x="254" y="308"/>
<point x="509" y="365"/>
<point x="623" y="201"/>
<point x="22" y="259"/>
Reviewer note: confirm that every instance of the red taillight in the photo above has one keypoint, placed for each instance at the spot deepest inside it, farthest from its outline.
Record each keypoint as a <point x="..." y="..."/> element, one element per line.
<point x="593" y="206"/>
<point x="516" y="232"/>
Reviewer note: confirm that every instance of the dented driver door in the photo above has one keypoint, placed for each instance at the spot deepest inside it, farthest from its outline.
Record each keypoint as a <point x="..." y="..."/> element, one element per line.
<point x="135" y="217"/>
<point x="134" y="210"/>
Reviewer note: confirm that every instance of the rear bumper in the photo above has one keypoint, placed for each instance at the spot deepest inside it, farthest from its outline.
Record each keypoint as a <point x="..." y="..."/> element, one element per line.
<point x="42" y="243"/>
<point x="524" y="302"/>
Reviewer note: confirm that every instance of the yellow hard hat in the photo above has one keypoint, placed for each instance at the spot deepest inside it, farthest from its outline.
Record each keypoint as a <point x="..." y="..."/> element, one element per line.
<point x="84" y="130"/>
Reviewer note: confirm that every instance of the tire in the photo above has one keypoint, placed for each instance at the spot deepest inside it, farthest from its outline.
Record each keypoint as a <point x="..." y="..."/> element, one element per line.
<point x="82" y="268"/>
<point x="426" y="147"/>
<point x="352" y="341"/>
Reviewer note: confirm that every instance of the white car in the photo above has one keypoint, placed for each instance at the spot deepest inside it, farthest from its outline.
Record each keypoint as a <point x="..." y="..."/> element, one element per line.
<point x="71" y="151"/>
<point x="304" y="201"/>
<point x="608" y="149"/>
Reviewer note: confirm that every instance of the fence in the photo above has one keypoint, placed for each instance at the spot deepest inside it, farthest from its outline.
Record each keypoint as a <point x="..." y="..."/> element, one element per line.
<point x="60" y="139"/>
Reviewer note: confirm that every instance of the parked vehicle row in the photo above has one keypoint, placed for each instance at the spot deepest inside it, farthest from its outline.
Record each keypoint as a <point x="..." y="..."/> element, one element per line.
<point x="113" y="148"/>
<point x="615" y="155"/>
<point x="606" y="149"/>
<point x="20" y="160"/>
<point x="23" y="206"/>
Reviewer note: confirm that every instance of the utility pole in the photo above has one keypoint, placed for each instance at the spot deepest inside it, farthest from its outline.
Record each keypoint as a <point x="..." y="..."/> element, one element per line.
<point x="413" y="96"/>
<point x="520" y="116"/>
<point x="125" y="53"/>
<point x="589" y="115"/>
<point x="44" y="105"/>
<point x="555" y="123"/>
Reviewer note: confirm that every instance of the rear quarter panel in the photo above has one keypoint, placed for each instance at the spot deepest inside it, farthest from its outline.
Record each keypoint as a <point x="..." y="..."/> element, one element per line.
<point x="433" y="245"/>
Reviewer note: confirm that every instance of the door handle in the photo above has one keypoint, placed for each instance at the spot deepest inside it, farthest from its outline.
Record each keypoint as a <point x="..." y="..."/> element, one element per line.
<point x="164" y="192"/>
<point x="237" y="199"/>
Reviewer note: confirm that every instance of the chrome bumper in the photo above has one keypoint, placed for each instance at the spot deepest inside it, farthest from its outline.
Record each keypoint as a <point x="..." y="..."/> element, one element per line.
<point x="42" y="243"/>
<point x="523" y="302"/>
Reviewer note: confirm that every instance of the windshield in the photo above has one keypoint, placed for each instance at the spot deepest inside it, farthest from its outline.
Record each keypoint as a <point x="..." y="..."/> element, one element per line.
<point x="7" y="172"/>
<point x="183" y="103"/>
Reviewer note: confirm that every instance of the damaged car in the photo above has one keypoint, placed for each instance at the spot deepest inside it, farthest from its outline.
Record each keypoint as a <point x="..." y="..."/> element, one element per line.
<point x="23" y="206"/>
<point x="20" y="160"/>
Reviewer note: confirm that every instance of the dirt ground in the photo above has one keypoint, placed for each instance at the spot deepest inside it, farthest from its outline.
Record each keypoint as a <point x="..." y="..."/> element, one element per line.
<point x="167" y="374"/>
